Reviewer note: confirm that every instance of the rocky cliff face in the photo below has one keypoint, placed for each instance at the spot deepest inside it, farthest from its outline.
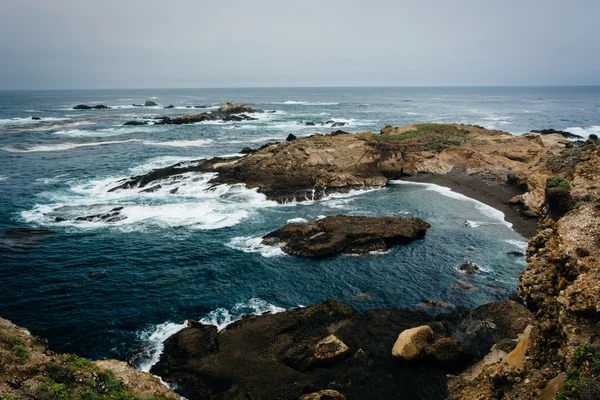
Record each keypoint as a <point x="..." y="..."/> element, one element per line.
<point x="560" y="355"/>
<point x="29" y="370"/>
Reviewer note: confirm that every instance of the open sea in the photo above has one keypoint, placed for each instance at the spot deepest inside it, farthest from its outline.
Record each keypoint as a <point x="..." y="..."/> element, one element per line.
<point x="118" y="290"/>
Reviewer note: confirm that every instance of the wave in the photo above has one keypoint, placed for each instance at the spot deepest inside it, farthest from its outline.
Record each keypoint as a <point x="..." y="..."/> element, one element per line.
<point x="585" y="132"/>
<point x="221" y="317"/>
<point x="29" y="120"/>
<point x="110" y="131"/>
<point x="296" y="220"/>
<point x="486" y="210"/>
<point x="308" y="103"/>
<point x="188" y="200"/>
<point x="249" y="244"/>
<point x="520" y="244"/>
<point x="160" y="162"/>
<point x="182" y="143"/>
<point x="3" y="178"/>
<point x="153" y="340"/>
<point x="62" y="146"/>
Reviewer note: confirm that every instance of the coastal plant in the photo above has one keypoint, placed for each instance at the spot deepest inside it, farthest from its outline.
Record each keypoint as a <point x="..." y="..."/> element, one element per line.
<point x="558" y="196"/>
<point x="428" y="137"/>
<point x="20" y="352"/>
<point x="583" y="374"/>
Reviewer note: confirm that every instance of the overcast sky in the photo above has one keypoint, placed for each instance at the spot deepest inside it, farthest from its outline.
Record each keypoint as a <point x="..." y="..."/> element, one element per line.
<point x="47" y="44"/>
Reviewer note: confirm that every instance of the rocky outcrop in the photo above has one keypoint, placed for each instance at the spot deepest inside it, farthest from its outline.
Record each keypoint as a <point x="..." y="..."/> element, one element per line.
<point x="312" y="167"/>
<point x="345" y="234"/>
<point x="567" y="135"/>
<point x="86" y="107"/>
<point x="29" y="370"/>
<point x="231" y="107"/>
<point x="150" y="103"/>
<point x="326" y="347"/>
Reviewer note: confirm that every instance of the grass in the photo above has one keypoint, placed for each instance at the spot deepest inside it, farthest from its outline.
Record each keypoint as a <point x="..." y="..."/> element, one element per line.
<point x="583" y="371"/>
<point x="428" y="137"/>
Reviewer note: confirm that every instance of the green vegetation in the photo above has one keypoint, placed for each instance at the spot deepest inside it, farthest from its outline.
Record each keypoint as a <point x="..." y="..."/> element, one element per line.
<point x="582" y="375"/>
<point x="20" y="352"/>
<point x="428" y="137"/>
<point x="558" y="196"/>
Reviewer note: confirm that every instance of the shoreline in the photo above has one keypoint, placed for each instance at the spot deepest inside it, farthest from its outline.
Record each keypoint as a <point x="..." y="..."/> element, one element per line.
<point x="495" y="194"/>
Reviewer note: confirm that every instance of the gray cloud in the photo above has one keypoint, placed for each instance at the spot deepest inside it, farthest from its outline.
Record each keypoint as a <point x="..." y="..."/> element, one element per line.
<point x="184" y="43"/>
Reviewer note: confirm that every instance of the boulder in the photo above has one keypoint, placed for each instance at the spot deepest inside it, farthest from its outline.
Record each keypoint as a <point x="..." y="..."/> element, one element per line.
<point x="412" y="342"/>
<point x="310" y="124"/>
<point x="330" y="349"/>
<point x="468" y="268"/>
<point x="387" y="130"/>
<point x="290" y="137"/>
<point x="150" y="103"/>
<point x="345" y="234"/>
<point x="324" y="395"/>
<point x="448" y="353"/>
<point x="135" y="123"/>
<point x="36" y="118"/>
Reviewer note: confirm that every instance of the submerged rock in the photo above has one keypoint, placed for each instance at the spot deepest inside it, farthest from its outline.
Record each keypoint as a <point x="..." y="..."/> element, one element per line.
<point x="21" y="239"/>
<point x="346" y="234"/>
<point x="113" y="215"/>
<point x="469" y="268"/>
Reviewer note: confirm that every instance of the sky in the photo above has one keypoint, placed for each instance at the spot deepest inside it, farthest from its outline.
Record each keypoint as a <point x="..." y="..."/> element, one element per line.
<point x="71" y="44"/>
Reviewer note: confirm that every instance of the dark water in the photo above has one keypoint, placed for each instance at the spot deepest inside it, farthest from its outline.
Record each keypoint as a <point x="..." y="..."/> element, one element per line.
<point x="116" y="290"/>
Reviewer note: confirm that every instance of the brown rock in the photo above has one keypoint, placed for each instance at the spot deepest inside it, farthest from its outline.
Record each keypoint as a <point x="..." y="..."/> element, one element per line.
<point x="324" y="395"/>
<point x="412" y="342"/>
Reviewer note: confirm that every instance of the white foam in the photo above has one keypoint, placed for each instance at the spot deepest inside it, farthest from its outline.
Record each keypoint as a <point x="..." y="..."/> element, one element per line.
<point x="63" y="146"/>
<point x="154" y="339"/>
<point x="160" y="162"/>
<point x="47" y="181"/>
<point x="3" y="178"/>
<point x="296" y="220"/>
<point x="308" y="103"/>
<point x="249" y="244"/>
<point x="486" y="210"/>
<point x="585" y="132"/>
<point x="181" y="143"/>
<point x="520" y="244"/>
<point x="195" y="205"/>
<point x="110" y="131"/>
<point x="28" y="120"/>
<point x="221" y="317"/>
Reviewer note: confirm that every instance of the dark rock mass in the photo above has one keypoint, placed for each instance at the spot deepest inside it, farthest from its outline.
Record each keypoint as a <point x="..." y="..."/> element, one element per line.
<point x="345" y="234"/>
<point x="469" y="268"/>
<point x="331" y="347"/>
<point x="150" y="103"/>
<point x="291" y="137"/>
<point x="567" y="135"/>
<point x="86" y="107"/>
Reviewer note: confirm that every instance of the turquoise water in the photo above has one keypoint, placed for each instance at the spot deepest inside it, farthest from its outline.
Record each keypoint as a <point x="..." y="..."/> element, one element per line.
<point x="116" y="290"/>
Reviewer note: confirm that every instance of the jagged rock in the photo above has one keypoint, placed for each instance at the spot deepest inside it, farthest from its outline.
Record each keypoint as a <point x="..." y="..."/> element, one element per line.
<point x="324" y="395"/>
<point x="567" y="135"/>
<point x="448" y="353"/>
<point x="273" y="356"/>
<point x="150" y="103"/>
<point x="330" y="349"/>
<point x="36" y="118"/>
<point x="86" y="107"/>
<point x="290" y="137"/>
<point x="231" y="107"/>
<point x="247" y="150"/>
<point x="113" y="215"/>
<point x="412" y="342"/>
<point x="469" y="268"/>
<point x="345" y="234"/>
<point x="310" y="124"/>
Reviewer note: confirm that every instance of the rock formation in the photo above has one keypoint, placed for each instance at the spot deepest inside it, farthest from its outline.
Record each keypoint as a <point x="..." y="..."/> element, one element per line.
<point x="344" y="234"/>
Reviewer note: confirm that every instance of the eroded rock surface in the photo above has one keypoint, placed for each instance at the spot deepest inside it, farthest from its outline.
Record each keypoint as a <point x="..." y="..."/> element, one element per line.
<point x="345" y="234"/>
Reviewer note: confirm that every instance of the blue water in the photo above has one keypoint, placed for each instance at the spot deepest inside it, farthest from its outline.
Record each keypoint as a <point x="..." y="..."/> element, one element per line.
<point x="115" y="290"/>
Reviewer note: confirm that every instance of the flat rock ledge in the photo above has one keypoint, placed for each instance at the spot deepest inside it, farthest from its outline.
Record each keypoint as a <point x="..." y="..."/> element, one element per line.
<point x="345" y="234"/>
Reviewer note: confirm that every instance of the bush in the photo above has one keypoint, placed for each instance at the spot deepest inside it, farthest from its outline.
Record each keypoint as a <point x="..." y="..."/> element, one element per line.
<point x="558" y="196"/>
<point x="583" y="375"/>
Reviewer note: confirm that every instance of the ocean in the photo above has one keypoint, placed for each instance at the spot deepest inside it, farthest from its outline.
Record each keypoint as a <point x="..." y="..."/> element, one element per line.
<point x="117" y="290"/>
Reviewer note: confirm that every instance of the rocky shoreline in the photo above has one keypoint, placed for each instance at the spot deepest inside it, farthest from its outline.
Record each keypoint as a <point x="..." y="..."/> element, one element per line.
<point x="546" y="349"/>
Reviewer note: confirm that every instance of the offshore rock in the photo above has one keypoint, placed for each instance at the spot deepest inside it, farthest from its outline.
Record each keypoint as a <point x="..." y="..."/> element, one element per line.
<point x="469" y="268"/>
<point x="231" y="107"/>
<point x="86" y="107"/>
<point x="345" y="234"/>
<point x="150" y="103"/>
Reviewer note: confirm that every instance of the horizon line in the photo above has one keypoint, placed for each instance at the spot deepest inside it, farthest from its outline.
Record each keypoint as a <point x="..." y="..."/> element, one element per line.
<point x="304" y="87"/>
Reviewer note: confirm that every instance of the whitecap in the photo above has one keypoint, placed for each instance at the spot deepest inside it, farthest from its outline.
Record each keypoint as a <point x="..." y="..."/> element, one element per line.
<point x="308" y="103"/>
<point x="520" y="244"/>
<point x="486" y="210"/>
<point x="221" y="317"/>
<point x="249" y="244"/>
<point x="3" y="178"/>
<point x="296" y="220"/>
<point x="585" y="132"/>
<point x="110" y="131"/>
<point x="153" y="343"/>
<point x="62" y="146"/>
<point x="181" y="143"/>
